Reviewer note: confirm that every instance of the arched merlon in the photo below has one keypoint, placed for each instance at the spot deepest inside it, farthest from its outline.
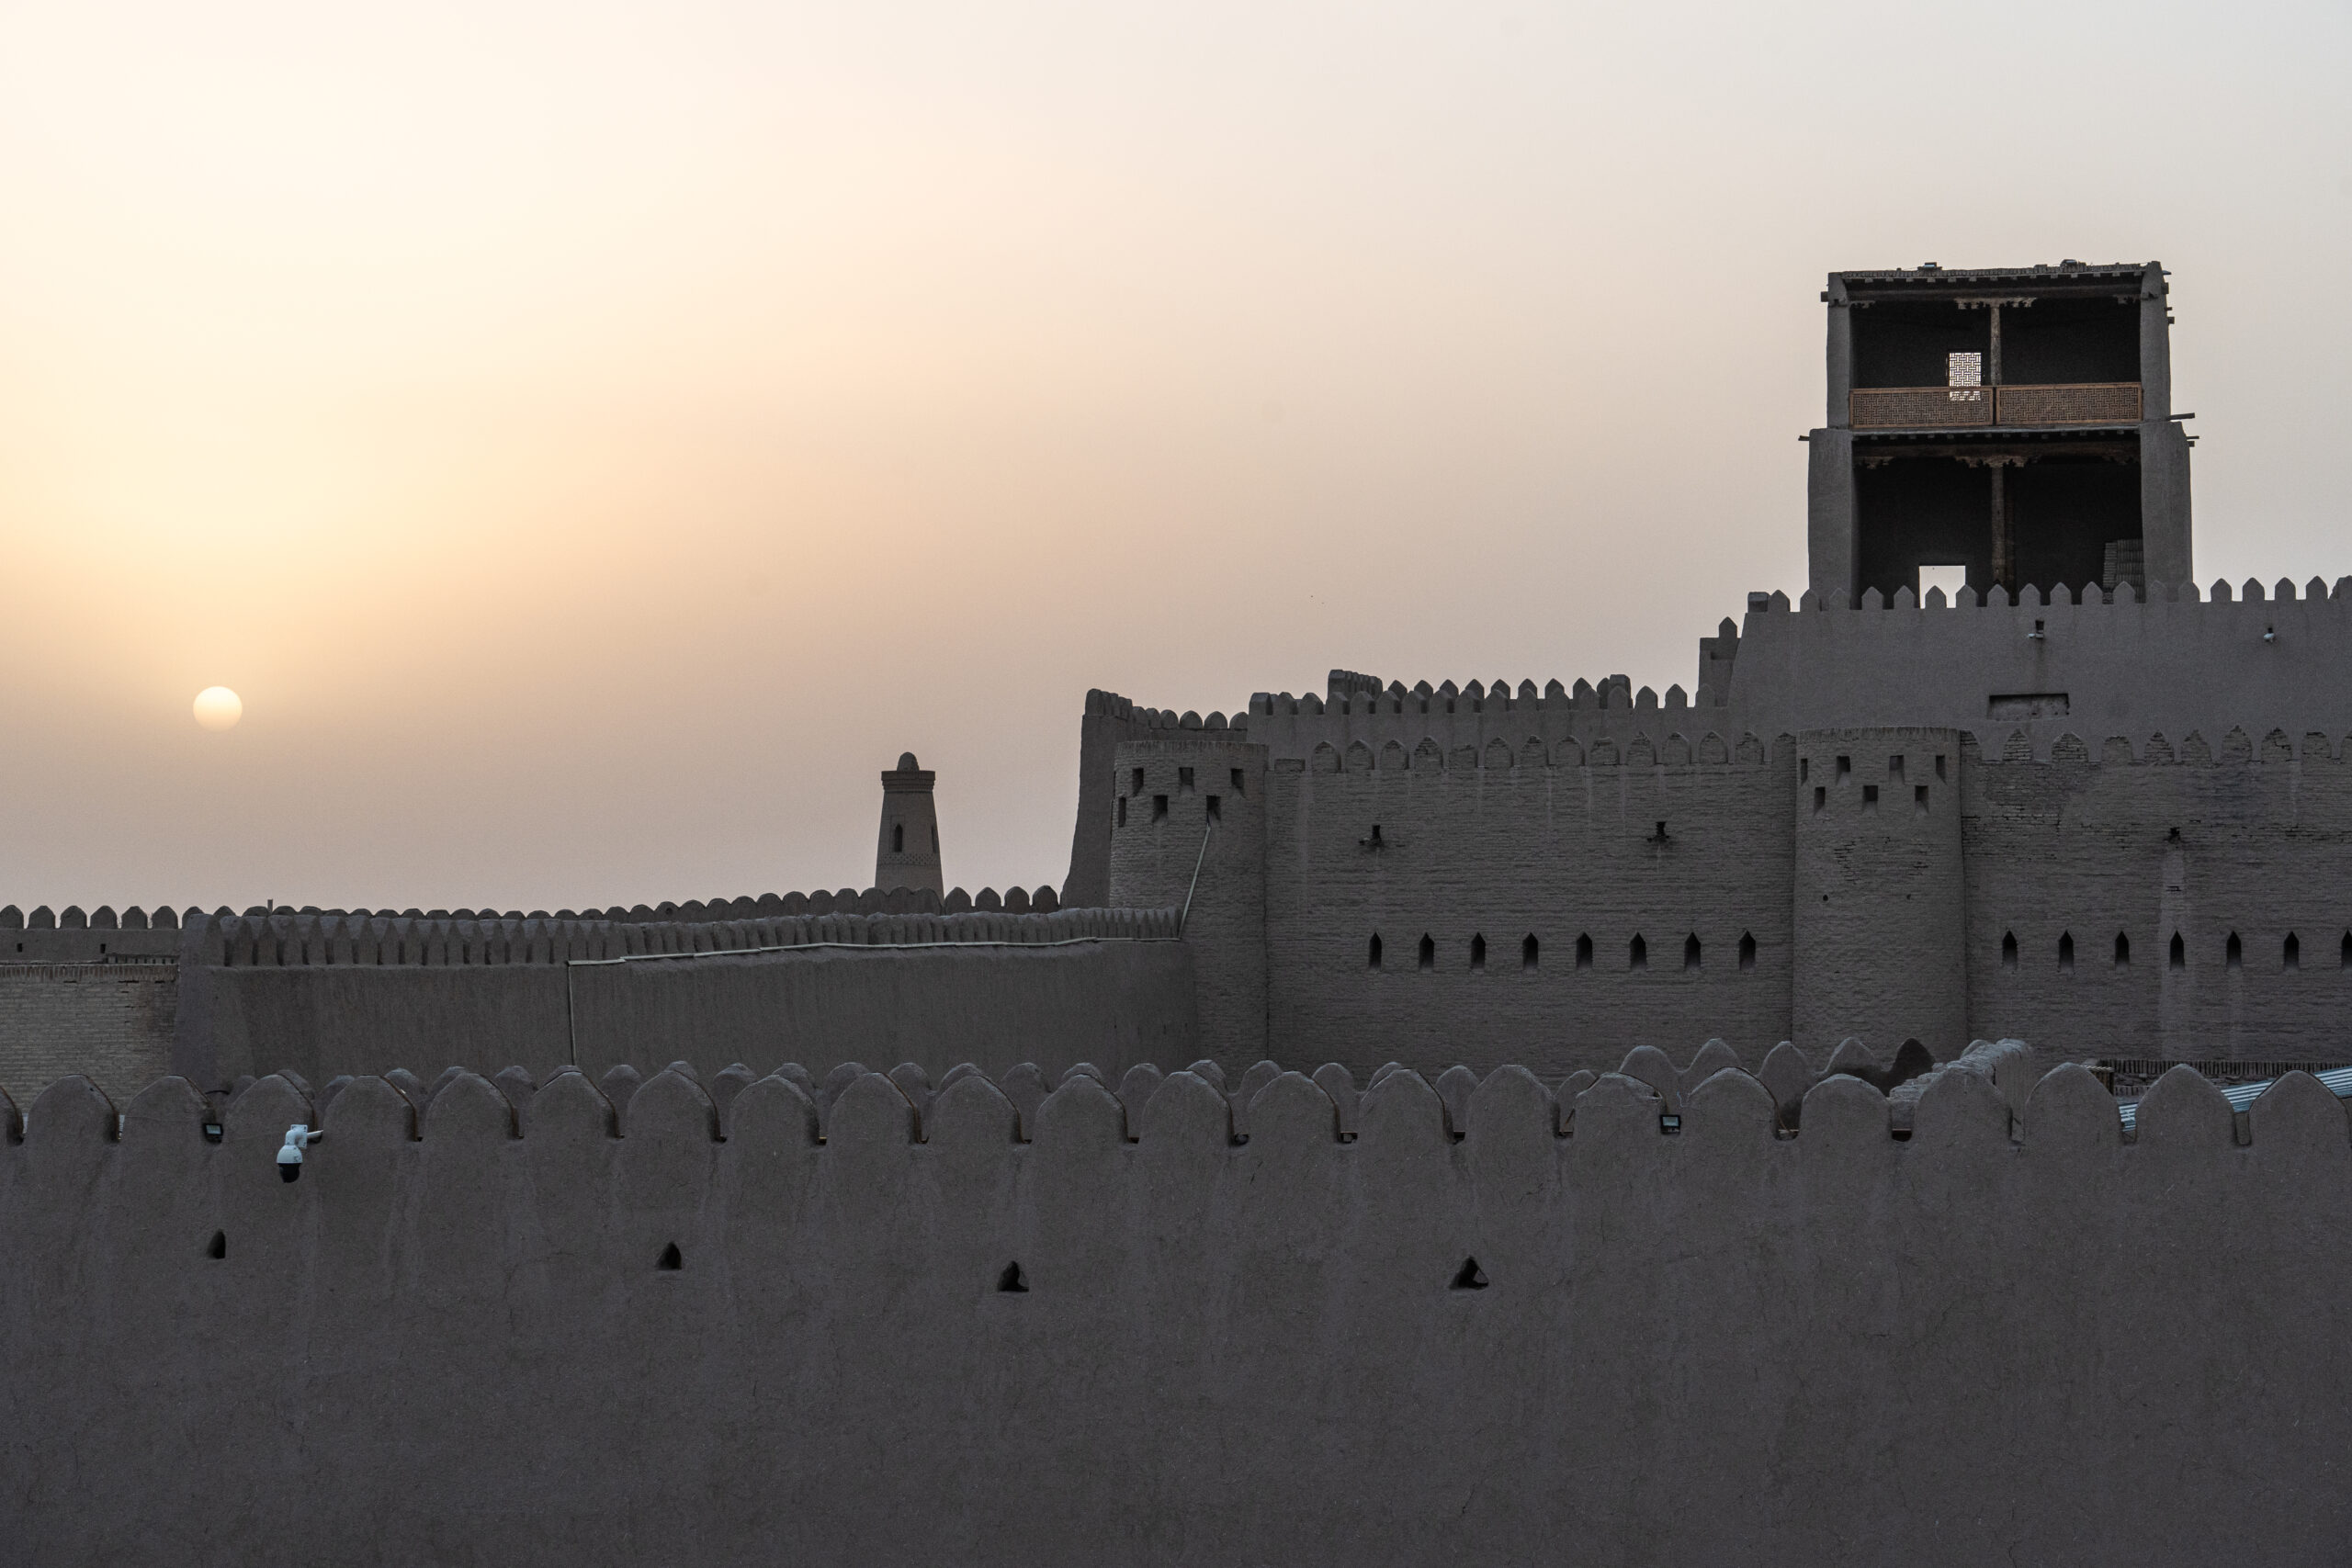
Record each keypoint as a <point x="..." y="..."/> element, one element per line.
<point x="575" y="1343"/>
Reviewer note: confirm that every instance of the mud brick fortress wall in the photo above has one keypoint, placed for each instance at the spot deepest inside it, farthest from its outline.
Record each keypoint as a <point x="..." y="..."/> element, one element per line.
<point x="2168" y="884"/>
<point x="1699" y="1161"/>
<point x="1494" y="874"/>
<point x="536" y="1325"/>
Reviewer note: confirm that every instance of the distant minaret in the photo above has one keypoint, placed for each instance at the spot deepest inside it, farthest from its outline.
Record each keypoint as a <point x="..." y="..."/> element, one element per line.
<point x="908" y="853"/>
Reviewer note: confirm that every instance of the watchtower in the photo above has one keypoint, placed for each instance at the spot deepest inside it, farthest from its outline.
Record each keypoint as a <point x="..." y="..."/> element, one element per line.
<point x="2012" y="423"/>
<point x="907" y="854"/>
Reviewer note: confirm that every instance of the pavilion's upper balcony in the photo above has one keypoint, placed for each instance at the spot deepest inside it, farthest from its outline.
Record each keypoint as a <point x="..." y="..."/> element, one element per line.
<point x="1955" y="407"/>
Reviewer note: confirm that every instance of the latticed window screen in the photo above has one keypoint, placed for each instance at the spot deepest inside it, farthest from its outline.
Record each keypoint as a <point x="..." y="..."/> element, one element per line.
<point x="1964" y="373"/>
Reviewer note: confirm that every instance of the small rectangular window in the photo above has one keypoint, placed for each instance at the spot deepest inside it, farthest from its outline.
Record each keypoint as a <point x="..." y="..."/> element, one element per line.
<point x="1820" y="796"/>
<point x="1241" y="783"/>
<point x="1919" y="798"/>
<point x="1159" y="809"/>
<point x="1844" y="766"/>
<point x="1804" y="768"/>
<point x="1939" y="764"/>
<point x="1184" y="781"/>
<point x="1123" y="811"/>
<point x="1894" y="768"/>
<point x="1870" y="797"/>
<point x="1136" y="787"/>
<point x="1216" y="808"/>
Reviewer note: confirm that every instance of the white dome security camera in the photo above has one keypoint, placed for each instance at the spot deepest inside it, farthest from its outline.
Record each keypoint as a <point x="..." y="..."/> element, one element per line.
<point x="289" y="1157"/>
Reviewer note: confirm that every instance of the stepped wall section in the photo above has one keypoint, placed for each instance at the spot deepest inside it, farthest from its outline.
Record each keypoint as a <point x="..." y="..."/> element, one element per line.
<point x="1992" y="1328"/>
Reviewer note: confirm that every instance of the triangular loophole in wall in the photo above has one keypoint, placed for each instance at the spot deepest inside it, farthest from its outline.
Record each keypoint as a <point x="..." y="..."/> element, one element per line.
<point x="1469" y="1277"/>
<point x="218" y="1247"/>
<point x="1011" y="1282"/>
<point x="669" y="1259"/>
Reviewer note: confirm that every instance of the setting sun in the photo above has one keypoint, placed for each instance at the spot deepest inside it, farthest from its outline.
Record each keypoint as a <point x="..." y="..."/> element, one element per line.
<point x="217" y="708"/>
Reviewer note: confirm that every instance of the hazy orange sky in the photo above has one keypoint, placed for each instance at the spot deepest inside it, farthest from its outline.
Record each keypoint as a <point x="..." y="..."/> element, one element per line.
<point x="594" y="439"/>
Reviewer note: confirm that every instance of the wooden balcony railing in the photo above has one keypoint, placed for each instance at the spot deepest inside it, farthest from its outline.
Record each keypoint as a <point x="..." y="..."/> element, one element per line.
<point x="1957" y="408"/>
<point x="2088" y="402"/>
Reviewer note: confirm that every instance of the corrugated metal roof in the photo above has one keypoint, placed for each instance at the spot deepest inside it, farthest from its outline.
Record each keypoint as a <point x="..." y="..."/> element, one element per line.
<point x="2338" y="1081"/>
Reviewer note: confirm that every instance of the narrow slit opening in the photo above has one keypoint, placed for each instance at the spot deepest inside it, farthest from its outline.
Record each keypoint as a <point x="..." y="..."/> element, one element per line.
<point x="218" y="1247"/>
<point x="670" y="1261"/>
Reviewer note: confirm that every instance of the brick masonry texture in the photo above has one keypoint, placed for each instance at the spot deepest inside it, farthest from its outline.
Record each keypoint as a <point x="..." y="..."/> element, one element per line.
<point x="110" y="1020"/>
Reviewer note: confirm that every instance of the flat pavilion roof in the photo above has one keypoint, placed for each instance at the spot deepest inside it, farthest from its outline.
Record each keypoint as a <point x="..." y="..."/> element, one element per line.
<point x="1931" y="282"/>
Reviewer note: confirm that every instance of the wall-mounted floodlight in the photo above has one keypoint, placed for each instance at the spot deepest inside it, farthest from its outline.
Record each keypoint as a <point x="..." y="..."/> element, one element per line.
<point x="1669" y="1123"/>
<point x="289" y="1157"/>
